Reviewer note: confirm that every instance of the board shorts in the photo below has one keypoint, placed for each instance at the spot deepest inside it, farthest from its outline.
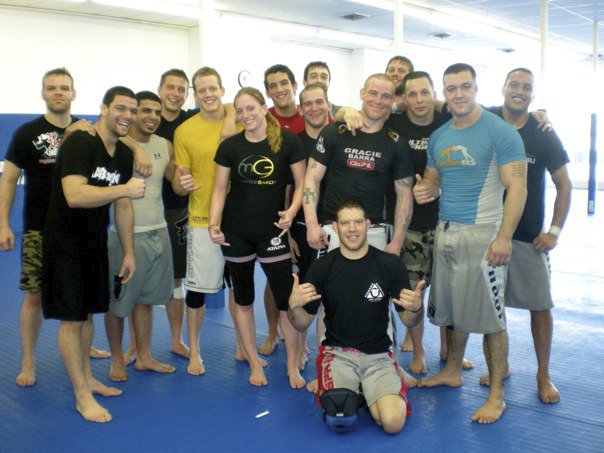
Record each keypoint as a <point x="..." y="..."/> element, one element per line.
<point x="418" y="255"/>
<point x="152" y="283"/>
<point x="177" y="220"/>
<point x="467" y="294"/>
<point x="350" y="368"/>
<point x="205" y="263"/>
<point x="31" y="261"/>
<point x="529" y="273"/>
<point x="74" y="287"/>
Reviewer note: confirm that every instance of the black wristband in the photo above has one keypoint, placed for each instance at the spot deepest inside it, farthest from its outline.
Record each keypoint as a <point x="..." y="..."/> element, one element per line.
<point x="418" y="310"/>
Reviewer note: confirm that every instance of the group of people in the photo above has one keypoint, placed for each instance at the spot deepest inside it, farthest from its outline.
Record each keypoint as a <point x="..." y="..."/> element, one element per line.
<point x="373" y="206"/>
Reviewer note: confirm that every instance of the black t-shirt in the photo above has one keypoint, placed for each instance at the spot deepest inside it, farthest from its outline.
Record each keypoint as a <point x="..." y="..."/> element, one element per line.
<point x="356" y="296"/>
<point x="166" y="129"/>
<point x="425" y="216"/>
<point x="360" y="167"/>
<point x="258" y="181"/>
<point x="78" y="231"/>
<point x="34" y="148"/>
<point x="544" y="150"/>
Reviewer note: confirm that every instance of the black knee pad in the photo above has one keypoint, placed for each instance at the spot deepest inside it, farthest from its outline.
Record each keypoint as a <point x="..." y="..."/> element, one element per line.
<point x="340" y="407"/>
<point x="279" y="276"/>
<point x="242" y="278"/>
<point x="194" y="299"/>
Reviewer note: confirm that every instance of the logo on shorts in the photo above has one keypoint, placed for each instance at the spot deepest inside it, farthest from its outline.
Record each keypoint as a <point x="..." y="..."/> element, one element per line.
<point x="276" y="244"/>
<point x="374" y="293"/>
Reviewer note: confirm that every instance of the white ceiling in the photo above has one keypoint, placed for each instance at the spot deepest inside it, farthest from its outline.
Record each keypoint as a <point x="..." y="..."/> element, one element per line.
<point x="570" y="21"/>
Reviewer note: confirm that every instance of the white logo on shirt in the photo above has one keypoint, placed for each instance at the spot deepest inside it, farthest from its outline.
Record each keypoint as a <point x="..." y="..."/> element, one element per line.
<point x="374" y="293"/>
<point x="320" y="146"/>
<point x="102" y="174"/>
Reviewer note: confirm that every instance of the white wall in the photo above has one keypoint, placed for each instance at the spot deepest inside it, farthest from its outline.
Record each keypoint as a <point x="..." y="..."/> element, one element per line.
<point x="98" y="52"/>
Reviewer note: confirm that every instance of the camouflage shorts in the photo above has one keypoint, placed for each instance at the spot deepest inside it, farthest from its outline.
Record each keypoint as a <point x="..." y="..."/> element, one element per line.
<point x="417" y="254"/>
<point x="31" y="261"/>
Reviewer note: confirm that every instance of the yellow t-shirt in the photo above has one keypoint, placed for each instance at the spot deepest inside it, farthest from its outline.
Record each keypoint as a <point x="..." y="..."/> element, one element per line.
<point x="195" y="145"/>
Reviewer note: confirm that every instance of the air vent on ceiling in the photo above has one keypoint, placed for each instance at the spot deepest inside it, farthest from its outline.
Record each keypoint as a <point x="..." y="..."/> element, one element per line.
<point x="355" y="16"/>
<point x="441" y="35"/>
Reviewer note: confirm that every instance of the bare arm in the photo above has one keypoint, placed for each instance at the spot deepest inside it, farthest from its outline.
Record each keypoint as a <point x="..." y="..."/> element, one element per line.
<point x="402" y="213"/>
<point x="352" y="117"/>
<point x="411" y="301"/>
<point x="547" y="241"/>
<point x="170" y="168"/>
<point x="427" y="189"/>
<point x="124" y="225"/>
<point x="219" y="193"/>
<point x="79" y="194"/>
<point x="229" y="125"/>
<point x="8" y="186"/>
<point x="315" y="173"/>
<point x="299" y="297"/>
<point x="513" y="177"/>
<point x="142" y="163"/>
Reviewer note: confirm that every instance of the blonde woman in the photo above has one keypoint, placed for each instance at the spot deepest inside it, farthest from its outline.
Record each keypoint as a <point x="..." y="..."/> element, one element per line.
<point x="256" y="163"/>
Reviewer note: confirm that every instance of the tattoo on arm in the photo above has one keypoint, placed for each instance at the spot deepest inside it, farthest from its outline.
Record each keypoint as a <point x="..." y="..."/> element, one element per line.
<point x="405" y="182"/>
<point x="314" y="165"/>
<point x="518" y="169"/>
<point x="309" y="196"/>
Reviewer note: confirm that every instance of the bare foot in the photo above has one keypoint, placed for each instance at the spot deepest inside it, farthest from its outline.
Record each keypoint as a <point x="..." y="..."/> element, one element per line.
<point x="486" y="379"/>
<point x="547" y="391"/>
<point x="490" y="412"/>
<point x="196" y="367"/>
<point x="268" y="347"/>
<point x="441" y="378"/>
<point x="407" y="345"/>
<point x="153" y="365"/>
<point x="296" y="381"/>
<point x="129" y="356"/>
<point x="91" y="410"/>
<point x="257" y="377"/>
<point x="409" y="380"/>
<point x="302" y="361"/>
<point x="313" y="386"/>
<point x="99" y="353"/>
<point x="27" y="377"/>
<point x="467" y="364"/>
<point x="99" y="389"/>
<point x="117" y="371"/>
<point x="180" y="349"/>
<point x="240" y="355"/>
<point x="418" y="365"/>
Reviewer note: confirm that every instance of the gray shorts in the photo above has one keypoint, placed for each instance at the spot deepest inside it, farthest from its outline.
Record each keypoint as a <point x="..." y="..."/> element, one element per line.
<point x="153" y="281"/>
<point x="348" y="368"/>
<point x="528" y="283"/>
<point x="466" y="294"/>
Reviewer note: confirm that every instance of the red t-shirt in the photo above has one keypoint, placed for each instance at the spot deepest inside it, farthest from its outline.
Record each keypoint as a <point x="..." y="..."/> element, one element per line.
<point x="293" y="123"/>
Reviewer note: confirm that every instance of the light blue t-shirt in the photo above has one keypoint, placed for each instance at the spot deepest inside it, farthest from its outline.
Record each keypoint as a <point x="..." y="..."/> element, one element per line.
<point x="468" y="161"/>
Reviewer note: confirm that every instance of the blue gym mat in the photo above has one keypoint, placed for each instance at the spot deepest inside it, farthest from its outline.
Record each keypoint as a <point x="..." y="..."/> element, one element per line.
<point x="216" y="412"/>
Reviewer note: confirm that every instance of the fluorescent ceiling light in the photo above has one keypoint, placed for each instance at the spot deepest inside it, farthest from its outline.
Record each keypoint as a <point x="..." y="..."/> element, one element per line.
<point x="482" y="24"/>
<point x="180" y="8"/>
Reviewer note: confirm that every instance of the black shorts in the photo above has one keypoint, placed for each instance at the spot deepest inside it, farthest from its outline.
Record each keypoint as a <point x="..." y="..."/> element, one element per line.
<point x="307" y="253"/>
<point x="74" y="287"/>
<point x="177" y="220"/>
<point x="266" y="246"/>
